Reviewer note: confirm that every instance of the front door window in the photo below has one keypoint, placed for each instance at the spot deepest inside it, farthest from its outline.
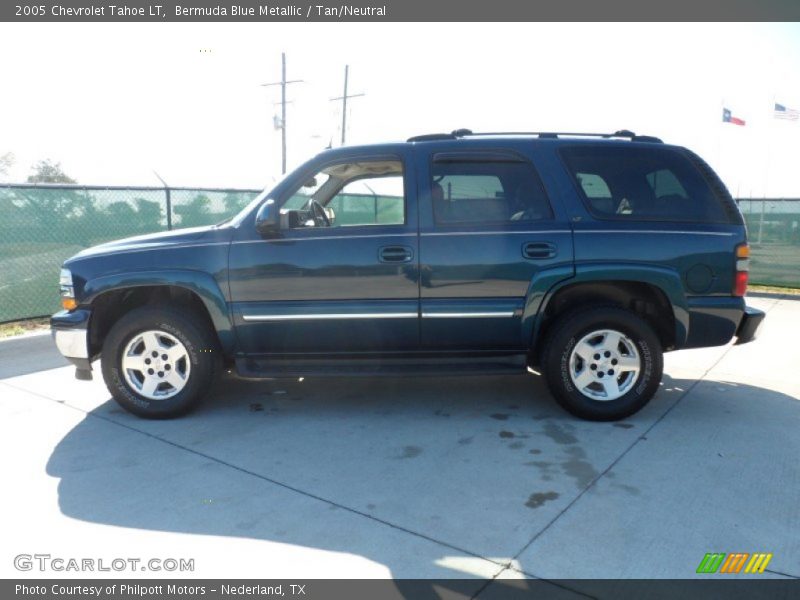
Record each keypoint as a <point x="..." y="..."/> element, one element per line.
<point x="350" y="194"/>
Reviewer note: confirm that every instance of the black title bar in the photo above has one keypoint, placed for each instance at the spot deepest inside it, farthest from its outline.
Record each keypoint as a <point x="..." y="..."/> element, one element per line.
<point x="713" y="587"/>
<point x="400" y="10"/>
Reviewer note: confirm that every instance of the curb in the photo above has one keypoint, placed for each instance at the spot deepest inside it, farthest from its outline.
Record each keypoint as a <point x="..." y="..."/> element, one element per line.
<point x="773" y="295"/>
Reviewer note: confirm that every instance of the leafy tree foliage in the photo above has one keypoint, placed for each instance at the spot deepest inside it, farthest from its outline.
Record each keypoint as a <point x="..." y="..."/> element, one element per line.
<point x="47" y="171"/>
<point x="6" y="162"/>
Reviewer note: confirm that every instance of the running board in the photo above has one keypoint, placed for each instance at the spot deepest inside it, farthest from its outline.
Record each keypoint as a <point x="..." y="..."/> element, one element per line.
<point x="260" y="368"/>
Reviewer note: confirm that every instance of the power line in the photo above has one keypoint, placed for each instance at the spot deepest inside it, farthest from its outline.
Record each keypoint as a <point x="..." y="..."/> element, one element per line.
<point x="283" y="83"/>
<point x="344" y="98"/>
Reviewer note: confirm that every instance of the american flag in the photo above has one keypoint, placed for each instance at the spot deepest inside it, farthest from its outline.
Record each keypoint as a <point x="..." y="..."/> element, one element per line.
<point x="782" y="112"/>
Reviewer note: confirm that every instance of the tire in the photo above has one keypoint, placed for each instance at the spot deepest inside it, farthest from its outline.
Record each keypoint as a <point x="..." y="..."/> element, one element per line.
<point x="171" y="383"/>
<point x="617" y="384"/>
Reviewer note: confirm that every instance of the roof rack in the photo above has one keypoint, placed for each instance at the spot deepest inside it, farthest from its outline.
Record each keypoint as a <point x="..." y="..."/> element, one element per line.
<point x="431" y="137"/>
<point x="462" y="133"/>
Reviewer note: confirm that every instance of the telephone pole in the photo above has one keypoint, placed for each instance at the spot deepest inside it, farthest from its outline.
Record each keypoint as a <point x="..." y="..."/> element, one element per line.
<point x="344" y="98"/>
<point x="283" y="83"/>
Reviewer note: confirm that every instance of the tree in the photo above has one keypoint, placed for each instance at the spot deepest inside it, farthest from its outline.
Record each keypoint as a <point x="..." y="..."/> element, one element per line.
<point x="121" y="212"/>
<point x="148" y="214"/>
<point x="234" y="202"/>
<point x="6" y="162"/>
<point x="47" y="171"/>
<point x="74" y="210"/>
<point x="195" y="212"/>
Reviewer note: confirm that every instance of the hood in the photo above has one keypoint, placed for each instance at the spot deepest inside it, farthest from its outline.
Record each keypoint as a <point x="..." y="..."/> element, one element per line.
<point x="163" y="239"/>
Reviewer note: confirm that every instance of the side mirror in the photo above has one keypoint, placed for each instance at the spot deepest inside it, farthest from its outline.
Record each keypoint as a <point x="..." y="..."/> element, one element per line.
<point x="268" y="218"/>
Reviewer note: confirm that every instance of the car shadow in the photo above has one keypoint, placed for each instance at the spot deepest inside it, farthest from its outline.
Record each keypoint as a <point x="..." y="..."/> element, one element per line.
<point x="260" y="459"/>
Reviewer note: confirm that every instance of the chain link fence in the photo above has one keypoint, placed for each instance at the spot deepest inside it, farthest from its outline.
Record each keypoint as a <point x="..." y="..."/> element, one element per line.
<point x="773" y="228"/>
<point x="43" y="225"/>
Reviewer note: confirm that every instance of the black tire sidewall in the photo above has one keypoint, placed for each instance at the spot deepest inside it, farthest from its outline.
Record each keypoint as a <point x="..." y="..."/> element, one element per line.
<point x="572" y="329"/>
<point x="191" y="332"/>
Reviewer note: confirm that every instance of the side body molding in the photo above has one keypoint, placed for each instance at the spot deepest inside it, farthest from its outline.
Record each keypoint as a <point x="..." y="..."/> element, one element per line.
<point x="203" y="284"/>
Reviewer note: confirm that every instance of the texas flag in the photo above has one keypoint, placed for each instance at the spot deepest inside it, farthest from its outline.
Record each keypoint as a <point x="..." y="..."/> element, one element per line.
<point x="727" y="117"/>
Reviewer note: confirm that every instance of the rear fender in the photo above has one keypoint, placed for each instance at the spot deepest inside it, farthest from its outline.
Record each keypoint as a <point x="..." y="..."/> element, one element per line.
<point x="666" y="280"/>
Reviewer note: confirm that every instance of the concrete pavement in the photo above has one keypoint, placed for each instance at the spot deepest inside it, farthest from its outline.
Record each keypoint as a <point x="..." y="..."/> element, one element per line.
<point x="422" y="478"/>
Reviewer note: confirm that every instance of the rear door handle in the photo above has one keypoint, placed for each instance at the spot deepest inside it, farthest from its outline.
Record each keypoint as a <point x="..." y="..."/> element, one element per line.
<point x="538" y="250"/>
<point x="395" y="254"/>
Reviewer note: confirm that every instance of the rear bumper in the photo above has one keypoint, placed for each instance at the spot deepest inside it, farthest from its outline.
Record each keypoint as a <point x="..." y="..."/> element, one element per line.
<point x="70" y="331"/>
<point x="713" y="320"/>
<point x="748" y="326"/>
<point x="716" y="320"/>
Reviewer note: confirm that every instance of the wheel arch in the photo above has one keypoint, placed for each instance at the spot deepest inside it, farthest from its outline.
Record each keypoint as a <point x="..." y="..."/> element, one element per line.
<point x="651" y="293"/>
<point x="111" y="297"/>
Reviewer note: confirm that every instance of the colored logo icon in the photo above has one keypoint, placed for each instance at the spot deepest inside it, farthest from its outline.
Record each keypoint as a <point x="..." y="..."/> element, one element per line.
<point x="734" y="563"/>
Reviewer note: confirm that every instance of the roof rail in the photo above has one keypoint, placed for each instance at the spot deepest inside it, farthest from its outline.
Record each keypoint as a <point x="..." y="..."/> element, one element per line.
<point x="431" y="137"/>
<point x="462" y="133"/>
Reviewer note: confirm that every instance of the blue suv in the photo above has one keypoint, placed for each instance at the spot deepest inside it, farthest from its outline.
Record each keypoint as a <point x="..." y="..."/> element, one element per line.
<point x="584" y="257"/>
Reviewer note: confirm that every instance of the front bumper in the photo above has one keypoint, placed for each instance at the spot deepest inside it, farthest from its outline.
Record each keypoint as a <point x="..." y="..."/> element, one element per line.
<point x="70" y="332"/>
<point x="748" y="326"/>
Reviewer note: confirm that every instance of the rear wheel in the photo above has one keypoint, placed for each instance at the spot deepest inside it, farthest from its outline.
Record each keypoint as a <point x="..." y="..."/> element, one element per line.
<point x="158" y="362"/>
<point x="603" y="363"/>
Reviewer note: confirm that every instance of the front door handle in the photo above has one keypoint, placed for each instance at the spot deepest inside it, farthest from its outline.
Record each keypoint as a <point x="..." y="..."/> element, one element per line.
<point x="538" y="250"/>
<point x="395" y="254"/>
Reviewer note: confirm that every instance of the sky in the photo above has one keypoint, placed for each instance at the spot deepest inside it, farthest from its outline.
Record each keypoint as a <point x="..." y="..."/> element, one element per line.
<point x="114" y="103"/>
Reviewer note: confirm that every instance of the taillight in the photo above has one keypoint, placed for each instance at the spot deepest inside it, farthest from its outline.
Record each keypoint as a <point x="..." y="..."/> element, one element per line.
<point x="742" y="270"/>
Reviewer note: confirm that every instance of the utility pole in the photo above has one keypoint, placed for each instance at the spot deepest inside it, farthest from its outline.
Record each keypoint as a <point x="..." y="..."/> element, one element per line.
<point x="283" y="83"/>
<point x="344" y="98"/>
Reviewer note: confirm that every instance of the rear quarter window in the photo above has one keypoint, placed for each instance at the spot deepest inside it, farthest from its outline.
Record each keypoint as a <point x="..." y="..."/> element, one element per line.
<point x="642" y="184"/>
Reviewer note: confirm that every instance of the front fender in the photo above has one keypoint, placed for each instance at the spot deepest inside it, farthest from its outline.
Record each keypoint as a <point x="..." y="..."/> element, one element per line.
<point x="666" y="280"/>
<point x="202" y="284"/>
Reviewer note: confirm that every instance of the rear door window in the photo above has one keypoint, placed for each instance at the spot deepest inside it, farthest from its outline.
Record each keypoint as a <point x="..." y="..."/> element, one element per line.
<point x="642" y="183"/>
<point x="467" y="190"/>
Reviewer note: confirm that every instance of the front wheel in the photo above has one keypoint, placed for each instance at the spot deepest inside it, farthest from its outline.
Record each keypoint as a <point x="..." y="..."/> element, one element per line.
<point x="602" y="364"/>
<point x="159" y="363"/>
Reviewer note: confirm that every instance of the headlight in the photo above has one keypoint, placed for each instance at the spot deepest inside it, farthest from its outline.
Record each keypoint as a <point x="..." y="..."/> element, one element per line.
<point x="67" y="290"/>
<point x="65" y="278"/>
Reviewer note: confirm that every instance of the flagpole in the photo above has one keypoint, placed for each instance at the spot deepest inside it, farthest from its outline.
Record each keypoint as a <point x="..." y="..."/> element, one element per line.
<point x="720" y="129"/>
<point x="766" y="171"/>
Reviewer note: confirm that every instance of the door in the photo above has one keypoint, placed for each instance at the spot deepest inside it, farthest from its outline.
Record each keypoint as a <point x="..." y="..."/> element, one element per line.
<point x="342" y="275"/>
<point x="487" y="230"/>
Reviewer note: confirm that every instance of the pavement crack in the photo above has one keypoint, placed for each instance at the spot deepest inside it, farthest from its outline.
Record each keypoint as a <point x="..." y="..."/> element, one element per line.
<point x="508" y="567"/>
<point x="624" y="452"/>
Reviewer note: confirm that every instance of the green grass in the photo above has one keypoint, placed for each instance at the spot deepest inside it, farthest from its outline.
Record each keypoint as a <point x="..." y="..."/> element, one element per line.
<point x="25" y="326"/>
<point x="36" y="297"/>
<point x="772" y="289"/>
<point x="775" y="265"/>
